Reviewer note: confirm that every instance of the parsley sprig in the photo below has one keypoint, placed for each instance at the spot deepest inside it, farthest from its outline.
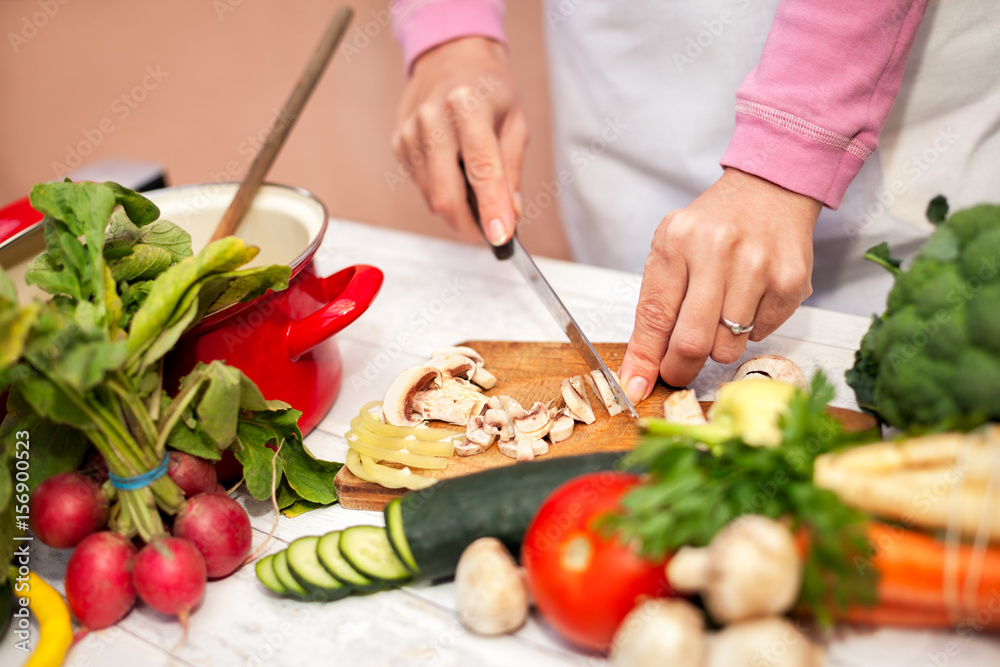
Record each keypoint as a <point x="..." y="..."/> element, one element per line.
<point x="696" y="485"/>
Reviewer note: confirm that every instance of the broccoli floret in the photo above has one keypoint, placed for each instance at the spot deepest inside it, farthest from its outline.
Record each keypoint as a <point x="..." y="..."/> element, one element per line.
<point x="932" y="359"/>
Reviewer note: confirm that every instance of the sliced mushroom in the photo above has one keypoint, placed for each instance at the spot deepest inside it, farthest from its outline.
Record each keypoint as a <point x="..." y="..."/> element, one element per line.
<point x="525" y="451"/>
<point x="478" y="432"/>
<point x="774" y="367"/>
<point x="539" y="447"/>
<point x="562" y="425"/>
<point x="576" y="399"/>
<point x="398" y="405"/>
<point x="468" y="448"/>
<point x="508" y="448"/>
<point x="602" y="389"/>
<point x="454" y="401"/>
<point x="534" y="424"/>
<point x="480" y="375"/>
<point x="453" y="365"/>
<point x="498" y="420"/>
<point x="682" y="407"/>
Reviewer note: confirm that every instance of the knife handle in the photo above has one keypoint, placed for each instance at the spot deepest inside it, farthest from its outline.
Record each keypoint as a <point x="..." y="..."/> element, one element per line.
<point x="500" y="251"/>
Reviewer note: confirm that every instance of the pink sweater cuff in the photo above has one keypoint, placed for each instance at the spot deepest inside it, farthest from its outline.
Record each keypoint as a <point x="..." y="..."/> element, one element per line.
<point x="420" y="25"/>
<point x="793" y="152"/>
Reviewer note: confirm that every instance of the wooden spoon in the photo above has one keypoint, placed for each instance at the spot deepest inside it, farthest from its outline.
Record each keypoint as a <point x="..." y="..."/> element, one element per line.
<point x="283" y="124"/>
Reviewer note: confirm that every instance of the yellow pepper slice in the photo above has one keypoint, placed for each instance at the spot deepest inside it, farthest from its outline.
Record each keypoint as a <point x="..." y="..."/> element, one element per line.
<point x="55" y="634"/>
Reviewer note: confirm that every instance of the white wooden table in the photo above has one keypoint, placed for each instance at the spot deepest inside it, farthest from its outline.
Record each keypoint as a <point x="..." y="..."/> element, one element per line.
<point x="438" y="293"/>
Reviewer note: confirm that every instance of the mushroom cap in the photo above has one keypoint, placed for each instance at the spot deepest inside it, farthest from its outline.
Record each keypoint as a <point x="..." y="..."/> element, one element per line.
<point x="775" y="367"/>
<point x="660" y="631"/>
<point x="754" y="570"/>
<point x="397" y="406"/>
<point x="763" y="642"/>
<point x="453" y="365"/>
<point x="491" y="594"/>
<point x="463" y="350"/>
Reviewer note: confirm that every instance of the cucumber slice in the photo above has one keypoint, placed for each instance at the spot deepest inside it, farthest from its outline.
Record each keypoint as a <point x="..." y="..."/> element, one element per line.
<point x="328" y="551"/>
<point x="304" y="565"/>
<point x="267" y="576"/>
<point x="397" y="537"/>
<point x="284" y="575"/>
<point x="368" y="551"/>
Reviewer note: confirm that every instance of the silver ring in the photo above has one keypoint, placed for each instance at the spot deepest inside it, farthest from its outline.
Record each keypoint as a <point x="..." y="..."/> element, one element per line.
<point x="735" y="327"/>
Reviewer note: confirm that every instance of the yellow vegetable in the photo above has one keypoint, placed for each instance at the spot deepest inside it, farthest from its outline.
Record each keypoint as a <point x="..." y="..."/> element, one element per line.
<point x="751" y="408"/>
<point x="55" y="634"/>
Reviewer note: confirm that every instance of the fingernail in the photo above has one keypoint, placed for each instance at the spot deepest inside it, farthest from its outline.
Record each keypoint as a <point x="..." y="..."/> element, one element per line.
<point x="496" y="231"/>
<point x="636" y="389"/>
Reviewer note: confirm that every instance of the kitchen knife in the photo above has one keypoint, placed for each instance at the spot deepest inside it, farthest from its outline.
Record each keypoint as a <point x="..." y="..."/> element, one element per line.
<point x="515" y="252"/>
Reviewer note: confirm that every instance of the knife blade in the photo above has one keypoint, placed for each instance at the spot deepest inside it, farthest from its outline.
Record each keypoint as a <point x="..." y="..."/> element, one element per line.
<point x="514" y="251"/>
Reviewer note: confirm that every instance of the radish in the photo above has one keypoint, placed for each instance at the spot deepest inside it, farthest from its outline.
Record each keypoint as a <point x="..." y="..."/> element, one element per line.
<point x="99" y="579"/>
<point x="219" y="527"/>
<point x="66" y="508"/>
<point x="169" y="575"/>
<point x="193" y="474"/>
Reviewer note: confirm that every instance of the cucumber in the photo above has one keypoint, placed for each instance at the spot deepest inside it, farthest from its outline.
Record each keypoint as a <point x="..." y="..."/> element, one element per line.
<point x="284" y="575"/>
<point x="328" y="551"/>
<point x="304" y="565"/>
<point x="267" y="576"/>
<point x="367" y="550"/>
<point x="429" y="529"/>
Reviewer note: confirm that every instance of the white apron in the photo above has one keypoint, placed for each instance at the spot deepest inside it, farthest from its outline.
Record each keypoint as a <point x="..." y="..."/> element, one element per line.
<point x="643" y="94"/>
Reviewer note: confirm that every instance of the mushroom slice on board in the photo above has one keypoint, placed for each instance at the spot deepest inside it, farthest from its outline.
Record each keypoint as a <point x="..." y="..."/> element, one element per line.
<point x="454" y="401"/>
<point x="498" y="420"/>
<point x="599" y="385"/>
<point x="398" y="405"/>
<point x="453" y="365"/>
<point x="468" y="448"/>
<point x="576" y="400"/>
<point x="508" y="448"/>
<point x="534" y="424"/>
<point x="525" y="452"/>
<point x="539" y="447"/>
<point x="477" y="432"/>
<point x="682" y="407"/>
<point x="562" y="425"/>
<point x="480" y="375"/>
<point x="774" y="367"/>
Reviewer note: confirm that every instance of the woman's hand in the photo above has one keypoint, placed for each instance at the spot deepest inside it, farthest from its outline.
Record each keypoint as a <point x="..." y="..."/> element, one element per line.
<point x="742" y="250"/>
<point x="461" y="102"/>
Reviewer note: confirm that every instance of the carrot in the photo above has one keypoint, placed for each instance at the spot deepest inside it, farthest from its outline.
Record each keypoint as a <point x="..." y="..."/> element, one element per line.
<point x="913" y="589"/>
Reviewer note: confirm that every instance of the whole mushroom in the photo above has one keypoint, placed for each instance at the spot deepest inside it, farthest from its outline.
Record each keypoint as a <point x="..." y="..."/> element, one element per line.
<point x="773" y="367"/>
<point x="660" y="631"/>
<point x="751" y="568"/>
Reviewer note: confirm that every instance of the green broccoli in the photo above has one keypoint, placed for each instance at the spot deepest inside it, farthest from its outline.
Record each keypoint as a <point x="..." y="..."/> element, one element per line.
<point x="932" y="360"/>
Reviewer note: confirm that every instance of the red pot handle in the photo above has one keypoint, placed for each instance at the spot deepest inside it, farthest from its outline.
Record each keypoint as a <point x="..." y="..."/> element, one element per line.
<point x="17" y="216"/>
<point x="346" y="307"/>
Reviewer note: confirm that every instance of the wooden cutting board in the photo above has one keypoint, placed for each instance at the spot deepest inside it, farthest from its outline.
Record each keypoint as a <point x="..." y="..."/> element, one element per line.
<point x="532" y="372"/>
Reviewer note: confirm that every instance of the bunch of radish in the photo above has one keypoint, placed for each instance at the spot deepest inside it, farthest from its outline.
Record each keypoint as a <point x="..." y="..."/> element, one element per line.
<point x="210" y="538"/>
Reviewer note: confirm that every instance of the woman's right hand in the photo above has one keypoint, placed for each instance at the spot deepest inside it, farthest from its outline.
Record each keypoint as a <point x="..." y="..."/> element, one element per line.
<point x="461" y="103"/>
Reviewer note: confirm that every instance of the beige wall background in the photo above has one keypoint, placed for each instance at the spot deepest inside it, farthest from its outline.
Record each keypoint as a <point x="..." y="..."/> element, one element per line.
<point x="193" y="85"/>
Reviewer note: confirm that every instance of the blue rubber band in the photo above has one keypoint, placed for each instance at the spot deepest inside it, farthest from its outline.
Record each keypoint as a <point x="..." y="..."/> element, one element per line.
<point x="139" y="481"/>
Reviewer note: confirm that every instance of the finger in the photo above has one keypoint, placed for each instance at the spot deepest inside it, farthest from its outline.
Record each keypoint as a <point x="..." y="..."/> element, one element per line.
<point x="480" y="150"/>
<point x="444" y="188"/>
<point x="406" y="146"/>
<point x="739" y="305"/>
<point x="660" y="295"/>
<point x="513" y="139"/>
<point x="785" y="294"/>
<point x="693" y="337"/>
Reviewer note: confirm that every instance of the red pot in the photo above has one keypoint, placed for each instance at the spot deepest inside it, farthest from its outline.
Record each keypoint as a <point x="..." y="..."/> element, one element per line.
<point x="283" y="340"/>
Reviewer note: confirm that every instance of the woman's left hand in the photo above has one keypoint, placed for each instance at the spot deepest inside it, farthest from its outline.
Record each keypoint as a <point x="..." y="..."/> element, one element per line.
<point x="742" y="250"/>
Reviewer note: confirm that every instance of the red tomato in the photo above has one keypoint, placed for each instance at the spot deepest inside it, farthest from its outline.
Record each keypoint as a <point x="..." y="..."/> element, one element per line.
<point x="583" y="583"/>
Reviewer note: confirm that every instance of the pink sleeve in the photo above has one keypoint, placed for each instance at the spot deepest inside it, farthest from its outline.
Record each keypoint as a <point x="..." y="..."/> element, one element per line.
<point x="810" y="113"/>
<point x="423" y="24"/>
